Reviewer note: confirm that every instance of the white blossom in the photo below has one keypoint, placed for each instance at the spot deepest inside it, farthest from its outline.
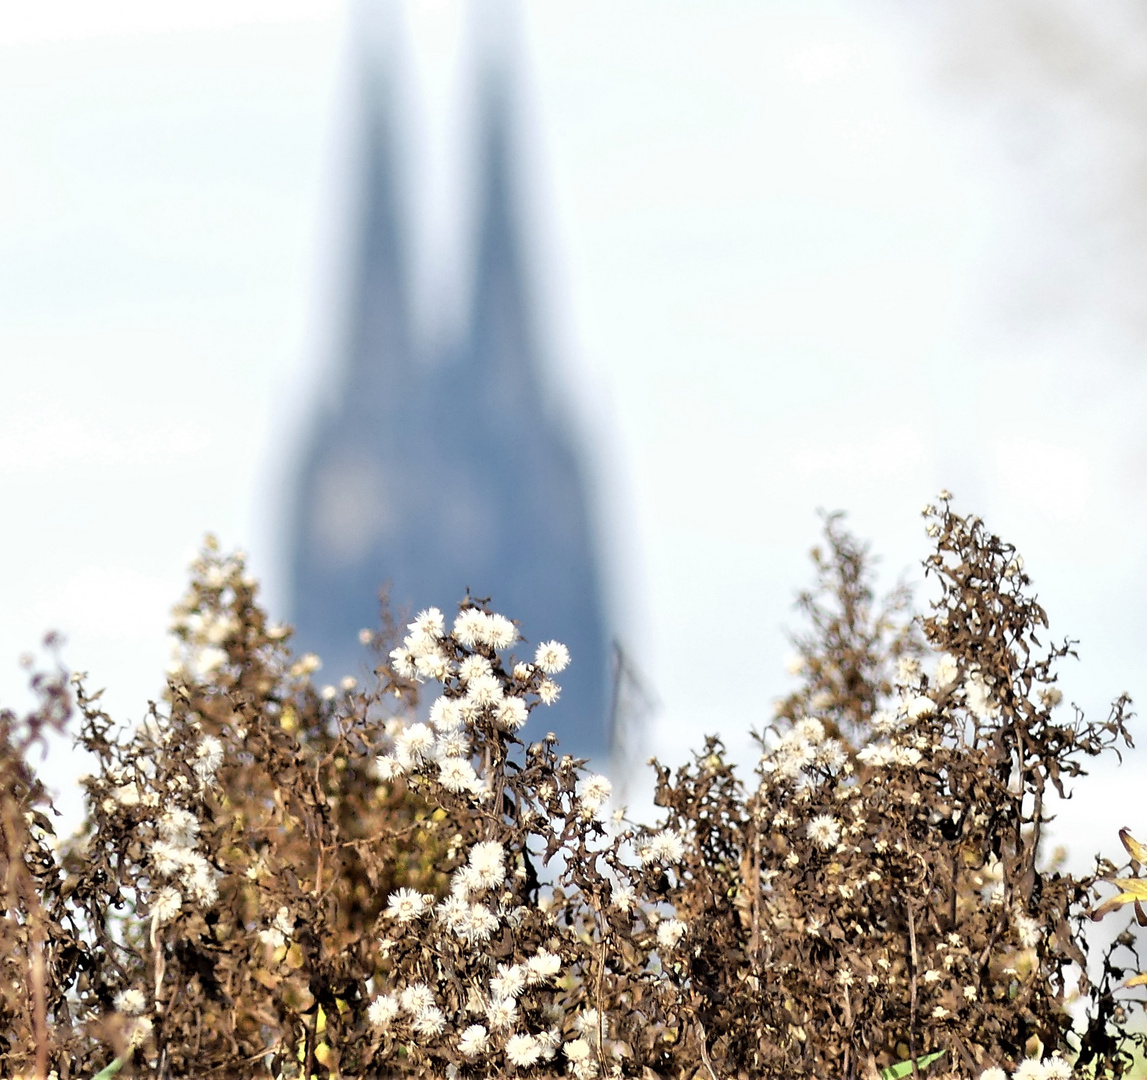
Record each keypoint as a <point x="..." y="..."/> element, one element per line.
<point x="456" y="774"/>
<point x="474" y="667"/>
<point x="483" y="690"/>
<point x="383" y="1010"/>
<point x="595" y="790"/>
<point x="403" y="663"/>
<point x="165" y="905"/>
<point x="552" y="657"/>
<point x="512" y="713"/>
<point x="413" y="745"/>
<point x="168" y="859"/>
<point x="824" y="831"/>
<point x="946" y="673"/>
<point x="590" y="1025"/>
<point x="811" y="730"/>
<point x="178" y="827"/>
<point x="451" y="744"/>
<point x="501" y="633"/>
<point x="548" y="691"/>
<point x="429" y="622"/>
<point x="1030" y="1069"/>
<point x="831" y="754"/>
<point x="1027" y="931"/>
<point x="416" y="998"/>
<point x="541" y="966"/>
<point x="1050" y="697"/>
<point x="388" y="767"/>
<point x="509" y="982"/>
<point x="501" y="1013"/>
<point x="576" y="1050"/>
<point x="406" y="905"/>
<point x="130" y="1002"/>
<point x="670" y="932"/>
<point x="446" y="714"/>
<point x="919" y="706"/>
<point x="429" y="1021"/>
<point x="979" y="698"/>
<point x="666" y="847"/>
<point x="478" y="925"/>
<point x="522" y="1050"/>
<point x="453" y="912"/>
<point x="488" y="858"/>
<point x="1055" y="1068"/>
<point x="624" y="897"/>
<point x="907" y="671"/>
<point x="469" y="627"/>
<point x="199" y="879"/>
<point x="474" y="1041"/>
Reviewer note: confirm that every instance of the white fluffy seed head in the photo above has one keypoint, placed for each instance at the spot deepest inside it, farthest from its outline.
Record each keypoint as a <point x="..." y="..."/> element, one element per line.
<point x="552" y="657"/>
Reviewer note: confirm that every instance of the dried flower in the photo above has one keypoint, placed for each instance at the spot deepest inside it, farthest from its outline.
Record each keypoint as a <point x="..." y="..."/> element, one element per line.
<point x="552" y="657"/>
<point x="130" y="1002"/>
<point x="383" y="1010"/>
<point x="474" y="1041"/>
<point x="406" y="905"/>
<point x="522" y="1050"/>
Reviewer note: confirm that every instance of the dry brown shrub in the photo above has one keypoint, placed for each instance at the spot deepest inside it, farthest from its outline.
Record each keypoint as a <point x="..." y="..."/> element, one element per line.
<point x="275" y="880"/>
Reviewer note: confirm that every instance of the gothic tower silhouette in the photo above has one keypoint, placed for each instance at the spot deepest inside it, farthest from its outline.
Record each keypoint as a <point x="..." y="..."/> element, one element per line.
<point x="451" y="472"/>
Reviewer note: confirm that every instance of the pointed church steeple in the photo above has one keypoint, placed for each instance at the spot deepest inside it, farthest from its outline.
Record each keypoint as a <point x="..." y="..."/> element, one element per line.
<point x="530" y="543"/>
<point x="346" y="505"/>
<point x="502" y="336"/>
<point x="378" y="336"/>
<point x="453" y="476"/>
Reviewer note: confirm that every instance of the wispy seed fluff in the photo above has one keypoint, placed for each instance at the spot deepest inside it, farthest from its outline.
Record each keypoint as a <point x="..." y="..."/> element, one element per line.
<point x="413" y="745"/>
<point x="178" y="827"/>
<point x="509" y="982"/>
<point x="457" y="775"/>
<point x="824" y="831"/>
<point x="666" y="847"/>
<point x="130" y="1002"/>
<point x="512" y="714"/>
<point x="488" y="859"/>
<point x="552" y="657"/>
<point x="165" y="905"/>
<point x="522" y="1050"/>
<point x="469" y="627"/>
<point x="429" y="623"/>
<point x="383" y="1010"/>
<point x="406" y="905"/>
<point x="474" y="1041"/>
<point x="416" y="998"/>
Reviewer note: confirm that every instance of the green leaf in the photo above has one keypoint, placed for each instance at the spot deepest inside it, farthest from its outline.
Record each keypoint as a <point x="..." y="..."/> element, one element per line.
<point x="904" y="1068"/>
<point x="110" y="1071"/>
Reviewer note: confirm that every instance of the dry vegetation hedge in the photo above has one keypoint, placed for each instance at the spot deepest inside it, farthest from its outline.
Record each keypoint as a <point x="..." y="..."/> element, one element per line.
<point x="277" y="880"/>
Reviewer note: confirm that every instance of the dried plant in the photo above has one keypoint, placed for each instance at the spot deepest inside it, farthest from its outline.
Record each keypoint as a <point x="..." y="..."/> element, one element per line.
<point x="278" y="880"/>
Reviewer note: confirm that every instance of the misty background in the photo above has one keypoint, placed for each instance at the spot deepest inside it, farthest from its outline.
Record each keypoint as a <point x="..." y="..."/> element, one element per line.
<point x="787" y="256"/>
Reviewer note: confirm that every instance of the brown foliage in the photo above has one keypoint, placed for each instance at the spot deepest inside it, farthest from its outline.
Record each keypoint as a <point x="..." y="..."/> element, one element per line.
<point x="278" y="881"/>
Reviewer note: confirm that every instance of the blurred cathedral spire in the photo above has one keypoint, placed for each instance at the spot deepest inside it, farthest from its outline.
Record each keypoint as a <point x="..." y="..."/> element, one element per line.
<point x="438" y="474"/>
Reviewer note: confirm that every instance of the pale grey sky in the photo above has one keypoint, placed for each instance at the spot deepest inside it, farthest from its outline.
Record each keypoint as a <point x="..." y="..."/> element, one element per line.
<point x="794" y="255"/>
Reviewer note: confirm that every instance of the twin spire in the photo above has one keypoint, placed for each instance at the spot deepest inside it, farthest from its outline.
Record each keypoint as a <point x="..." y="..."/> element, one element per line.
<point x="498" y="344"/>
<point x="449" y="475"/>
